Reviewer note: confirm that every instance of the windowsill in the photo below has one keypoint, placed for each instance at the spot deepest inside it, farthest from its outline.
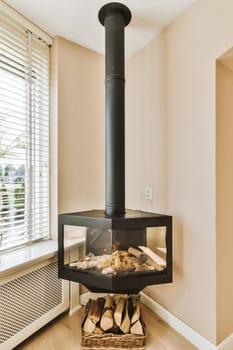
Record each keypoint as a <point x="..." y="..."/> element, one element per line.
<point x="30" y="255"/>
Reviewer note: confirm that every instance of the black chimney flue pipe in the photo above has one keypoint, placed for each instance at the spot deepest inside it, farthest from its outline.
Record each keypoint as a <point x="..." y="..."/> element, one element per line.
<point x="114" y="17"/>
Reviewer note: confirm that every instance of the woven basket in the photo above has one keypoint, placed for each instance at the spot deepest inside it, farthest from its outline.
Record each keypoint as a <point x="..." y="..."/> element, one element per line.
<point x="111" y="341"/>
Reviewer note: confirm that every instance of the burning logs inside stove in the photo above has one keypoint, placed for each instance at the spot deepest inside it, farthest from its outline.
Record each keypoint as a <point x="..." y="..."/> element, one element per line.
<point x="134" y="259"/>
<point x="113" y="322"/>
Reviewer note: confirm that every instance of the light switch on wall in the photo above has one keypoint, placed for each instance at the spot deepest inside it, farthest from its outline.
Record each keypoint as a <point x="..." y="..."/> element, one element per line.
<point x="148" y="193"/>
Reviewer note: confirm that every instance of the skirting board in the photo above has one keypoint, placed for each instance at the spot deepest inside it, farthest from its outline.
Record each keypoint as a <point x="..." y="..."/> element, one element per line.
<point x="190" y="334"/>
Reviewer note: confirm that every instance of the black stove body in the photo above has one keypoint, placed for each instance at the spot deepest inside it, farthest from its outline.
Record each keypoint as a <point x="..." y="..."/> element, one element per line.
<point x="117" y="250"/>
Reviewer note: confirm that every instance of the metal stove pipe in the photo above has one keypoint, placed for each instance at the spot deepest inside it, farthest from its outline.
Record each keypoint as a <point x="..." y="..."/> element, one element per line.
<point x="114" y="17"/>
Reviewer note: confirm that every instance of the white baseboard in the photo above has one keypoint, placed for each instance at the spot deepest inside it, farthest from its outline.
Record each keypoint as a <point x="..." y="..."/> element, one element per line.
<point x="226" y="344"/>
<point x="75" y="309"/>
<point x="190" y="334"/>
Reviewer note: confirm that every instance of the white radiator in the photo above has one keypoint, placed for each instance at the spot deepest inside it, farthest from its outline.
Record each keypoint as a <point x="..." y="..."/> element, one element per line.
<point x="30" y="300"/>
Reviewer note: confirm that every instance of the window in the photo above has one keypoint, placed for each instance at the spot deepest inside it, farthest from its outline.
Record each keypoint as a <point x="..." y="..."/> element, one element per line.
<point x="24" y="135"/>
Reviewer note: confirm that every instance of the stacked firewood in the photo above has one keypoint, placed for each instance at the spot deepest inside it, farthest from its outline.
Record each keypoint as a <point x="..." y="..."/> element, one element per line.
<point x="118" y="314"/>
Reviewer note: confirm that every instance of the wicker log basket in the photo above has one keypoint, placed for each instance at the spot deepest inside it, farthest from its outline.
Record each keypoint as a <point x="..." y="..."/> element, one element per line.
<point x="112" y="341"/>
<point x="113" y="322"/>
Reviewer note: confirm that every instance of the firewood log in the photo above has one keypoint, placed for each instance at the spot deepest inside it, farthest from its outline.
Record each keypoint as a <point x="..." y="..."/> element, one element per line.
<point x="86" y="264"/>
<point x="154" y="257"/>
<point x="162" y="252"/>
<point x="136" y="313"/>
<point x="106" y="321"/>
<point x="108" y="302"/>
<point x="135" y="300"/>
<point x="93" y="262"/>
<point x="88" y="324"/>
<point x="138" y="254"/>
<point x="98" y="331"/>
<point x="143" y="267"/>
<point x="119" y="311"/>
<point x="125" y="325"/>
<point x="117" y="297"/>
<point x="130" y="306"/>
<point x="144" y="259"/>
<point x="96" y="311"/>
<point x="137" y="328"/>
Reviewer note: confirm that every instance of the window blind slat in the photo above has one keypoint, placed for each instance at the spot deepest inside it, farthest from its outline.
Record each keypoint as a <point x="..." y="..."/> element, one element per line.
<point x="14" y="40"/>
<point x="6" y="125"/>
<point x="24" y="135"/>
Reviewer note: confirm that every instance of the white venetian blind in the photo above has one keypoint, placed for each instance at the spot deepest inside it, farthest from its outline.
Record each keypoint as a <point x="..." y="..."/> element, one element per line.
<point x="24" y="135"/>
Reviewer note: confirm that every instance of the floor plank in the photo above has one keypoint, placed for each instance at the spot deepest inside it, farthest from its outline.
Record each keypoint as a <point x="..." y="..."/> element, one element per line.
<point x="64" y="334"/>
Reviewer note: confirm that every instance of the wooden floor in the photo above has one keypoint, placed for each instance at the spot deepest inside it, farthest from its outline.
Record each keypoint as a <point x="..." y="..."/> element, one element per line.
<point x="64" y="334"/>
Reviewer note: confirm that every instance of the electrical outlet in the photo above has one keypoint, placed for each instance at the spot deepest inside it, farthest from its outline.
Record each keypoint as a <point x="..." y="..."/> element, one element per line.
<point x="148" y="193"/>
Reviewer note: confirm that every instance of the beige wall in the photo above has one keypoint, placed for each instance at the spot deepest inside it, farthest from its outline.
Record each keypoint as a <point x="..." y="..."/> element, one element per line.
<point x="191" y="45"/>
<point x="224" y="196"/>
<point x="79" y="73"/>
<point x="146" y="129"/>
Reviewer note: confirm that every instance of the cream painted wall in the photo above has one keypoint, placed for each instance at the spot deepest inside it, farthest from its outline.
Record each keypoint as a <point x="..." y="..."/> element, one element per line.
<point x="146" y="129"/>
<point x="224" y="209"/>
<point x="79" y="73"/>
<point x="191" y="45"/>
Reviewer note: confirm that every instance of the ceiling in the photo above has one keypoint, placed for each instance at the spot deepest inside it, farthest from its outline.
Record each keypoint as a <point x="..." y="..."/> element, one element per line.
<point x="77" y="20"/>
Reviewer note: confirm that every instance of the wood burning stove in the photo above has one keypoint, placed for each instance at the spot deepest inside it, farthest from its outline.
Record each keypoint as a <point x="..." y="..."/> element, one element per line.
<point x="121" y="254"/>
<point x="119" y="251"/>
